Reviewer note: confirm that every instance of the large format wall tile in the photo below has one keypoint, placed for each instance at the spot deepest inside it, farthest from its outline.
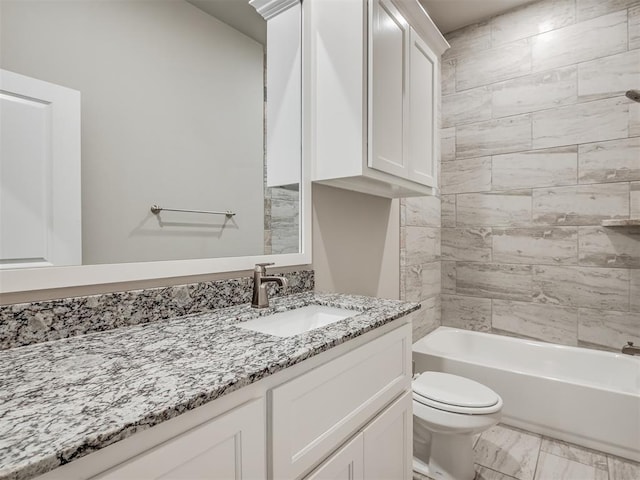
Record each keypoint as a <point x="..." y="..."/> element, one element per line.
<point x="563" y="156"/>
<point x="535" y="92"/>
<point x="466" y="107"/>
<point x="466" y="312"/>
<point x="581" y="123"/>
<point x="535" y="168"/>
<point x="609" y="247"/>
<point x="421" y="281"/>
<point x="448" y="144"/>
<point x="468" y="40"/>
<point x="507" y="282"/>
<point x="490" y="66"/>
<point x="508" y="209"/>
<point x="580" y="204"/>
<point x="620" y="469"/>
<point x="532" y="19"/>
<point x="470" y="244"/>
<point x="421" y="211"/>
<point x="550" y="245"/>
<point x="612" y="161"/>
<point x="594" y="8"/>
<point x="603" y="288"/>
<point x="607" y="328"/>
<point x="504" y="135"/>
<point x="551" y="323"/>
<point x="471" y="175"/>
<point x="420" y="245"/>
<point x="635" y="200"/>
<point x="448" y="77"/>
<point x="601" y="36"/>
<point x="426" y="319"/>
<point x="448" y="210"/>
<point x="634" y="119"/>
<point x="448" y="277"/>
<point x="634" y="27"/>
<point x="608" y="76"/>
<point x="634" y="286"/>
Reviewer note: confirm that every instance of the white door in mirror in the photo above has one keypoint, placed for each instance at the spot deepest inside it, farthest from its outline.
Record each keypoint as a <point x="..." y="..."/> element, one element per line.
<point x="40" y="222"/>
<point x="300" y="320"/>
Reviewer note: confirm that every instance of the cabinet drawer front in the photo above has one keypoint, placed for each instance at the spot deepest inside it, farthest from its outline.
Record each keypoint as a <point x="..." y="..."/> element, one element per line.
<point x="314" y="413"/>
<point x="231" y="446"/>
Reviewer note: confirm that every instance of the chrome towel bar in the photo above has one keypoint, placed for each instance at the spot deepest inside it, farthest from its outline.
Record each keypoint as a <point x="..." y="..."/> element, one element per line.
<point x="155" y="209"/>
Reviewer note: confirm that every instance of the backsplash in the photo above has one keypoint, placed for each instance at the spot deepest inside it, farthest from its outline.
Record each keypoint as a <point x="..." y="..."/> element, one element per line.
<point x="27" y="323"/>
<point x="539" y="145"/>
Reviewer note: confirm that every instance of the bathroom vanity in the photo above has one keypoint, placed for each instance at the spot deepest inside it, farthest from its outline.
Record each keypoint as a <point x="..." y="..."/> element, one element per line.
<point x="173" y="398"/>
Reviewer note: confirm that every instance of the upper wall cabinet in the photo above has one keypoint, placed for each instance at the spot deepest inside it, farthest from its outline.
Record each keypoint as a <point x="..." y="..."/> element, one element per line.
<point x="375" y="84"/>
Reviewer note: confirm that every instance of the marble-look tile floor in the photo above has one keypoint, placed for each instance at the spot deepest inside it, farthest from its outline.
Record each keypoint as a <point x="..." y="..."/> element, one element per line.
<point x="507" y="453"/>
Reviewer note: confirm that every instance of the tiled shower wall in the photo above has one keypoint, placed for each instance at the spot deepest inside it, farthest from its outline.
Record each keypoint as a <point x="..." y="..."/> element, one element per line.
<point x="539" y="146"/>
<point x="420" y="265"/>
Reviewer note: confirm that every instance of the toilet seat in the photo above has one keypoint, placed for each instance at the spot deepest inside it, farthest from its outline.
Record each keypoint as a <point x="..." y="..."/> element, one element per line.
<point x="455" y="394"/>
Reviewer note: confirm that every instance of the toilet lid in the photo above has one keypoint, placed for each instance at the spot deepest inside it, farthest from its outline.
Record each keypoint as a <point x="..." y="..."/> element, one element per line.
<point x="448" y="389"/>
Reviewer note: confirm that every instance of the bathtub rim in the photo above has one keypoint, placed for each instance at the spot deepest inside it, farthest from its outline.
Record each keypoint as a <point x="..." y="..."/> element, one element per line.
<point x="536" y="343"/>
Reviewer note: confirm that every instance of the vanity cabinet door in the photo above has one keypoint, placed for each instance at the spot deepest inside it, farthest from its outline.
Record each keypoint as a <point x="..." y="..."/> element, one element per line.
<point x="314" y="413"/>
<point x="382" y="450"/>
<point x="388" y="442"/>
<point x="345" y="464"/>
<point x="231" y="446"/>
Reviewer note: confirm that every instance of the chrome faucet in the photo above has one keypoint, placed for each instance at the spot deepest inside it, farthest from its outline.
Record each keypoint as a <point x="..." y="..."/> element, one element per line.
<point x="630" y="349"/>
<point x="260" y="280"/>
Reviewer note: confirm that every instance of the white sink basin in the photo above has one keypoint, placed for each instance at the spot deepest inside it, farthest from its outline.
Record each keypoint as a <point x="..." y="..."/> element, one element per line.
<point x="297" y="321"/>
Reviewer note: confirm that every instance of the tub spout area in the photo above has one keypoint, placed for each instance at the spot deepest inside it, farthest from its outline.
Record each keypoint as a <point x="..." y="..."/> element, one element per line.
<point x="630" y="349"/>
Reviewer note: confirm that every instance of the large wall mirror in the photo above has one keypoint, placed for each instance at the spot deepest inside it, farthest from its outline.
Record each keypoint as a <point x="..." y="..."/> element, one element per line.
<point x="149" y="138"/>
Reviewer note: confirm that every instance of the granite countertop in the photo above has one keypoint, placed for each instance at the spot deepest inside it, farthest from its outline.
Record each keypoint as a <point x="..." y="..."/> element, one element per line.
<point x="64" y="399"/>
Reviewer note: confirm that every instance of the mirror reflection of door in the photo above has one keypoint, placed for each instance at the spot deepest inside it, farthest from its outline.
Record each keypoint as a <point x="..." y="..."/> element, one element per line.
<point x="40" y="221"/>
<point x="173" y="114"/>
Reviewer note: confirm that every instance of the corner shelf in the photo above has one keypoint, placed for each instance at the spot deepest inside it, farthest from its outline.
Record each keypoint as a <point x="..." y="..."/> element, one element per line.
<point x="630" y="222"/>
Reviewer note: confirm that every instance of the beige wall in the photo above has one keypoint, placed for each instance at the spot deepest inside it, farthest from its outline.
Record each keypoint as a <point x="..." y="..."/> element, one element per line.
<point x="172" y="113"/>
<point x="356" y="243"/>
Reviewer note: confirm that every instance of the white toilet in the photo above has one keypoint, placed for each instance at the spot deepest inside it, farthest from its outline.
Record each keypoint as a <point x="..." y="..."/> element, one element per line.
<point x="448" y="411"/>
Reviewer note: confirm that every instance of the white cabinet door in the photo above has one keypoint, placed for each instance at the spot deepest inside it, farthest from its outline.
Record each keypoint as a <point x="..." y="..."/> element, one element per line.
<point x="231" y="446"/>
<point x="314" y="413"/>
<point x="345" y="464"/>
<point x="388" y="57"/>
<point x="388" y="442"/>
<point x="423" y="91"/>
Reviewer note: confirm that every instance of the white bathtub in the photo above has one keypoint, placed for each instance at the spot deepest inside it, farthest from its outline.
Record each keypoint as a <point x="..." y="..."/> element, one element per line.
<point x="583" y="396"/>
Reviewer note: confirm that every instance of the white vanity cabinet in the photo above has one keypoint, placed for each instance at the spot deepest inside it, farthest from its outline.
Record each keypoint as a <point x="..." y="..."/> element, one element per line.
<point x="375" y="83"/>
<point x="229" y="446"/>
<point x="346" y="464"/>
<point x="344" y="413"/>
<point x="314" y="413"/>
<point x="382" y="450"/>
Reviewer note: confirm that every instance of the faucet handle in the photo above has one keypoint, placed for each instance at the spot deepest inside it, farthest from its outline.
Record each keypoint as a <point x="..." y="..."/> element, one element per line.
<point x="261" y="267"/>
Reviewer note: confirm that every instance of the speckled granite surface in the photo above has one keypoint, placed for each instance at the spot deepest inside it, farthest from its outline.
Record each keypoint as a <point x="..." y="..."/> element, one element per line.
<point x="28" y="323"/>
<point x="65" y="399"/>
